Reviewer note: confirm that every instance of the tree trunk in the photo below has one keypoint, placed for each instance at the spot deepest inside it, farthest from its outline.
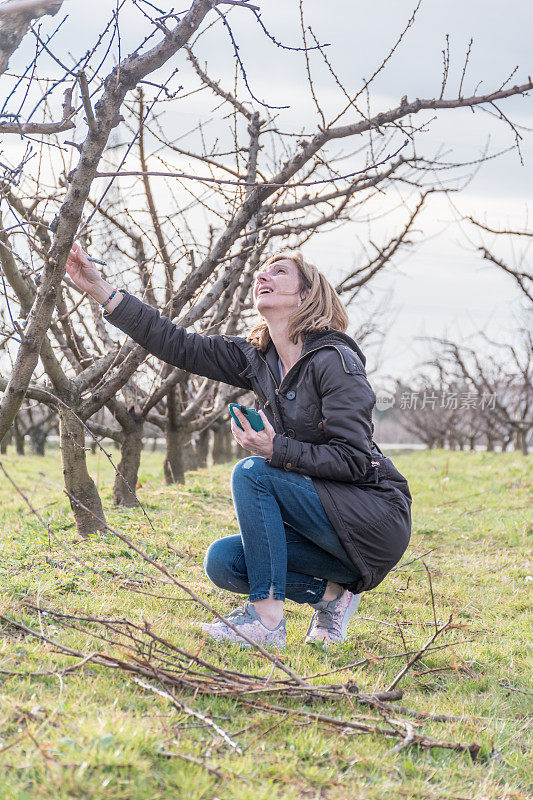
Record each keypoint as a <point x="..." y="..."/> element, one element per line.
<point x="19" y="439"/>
<point x="238" y="452"/>
<point x="173" y="466"/>
<point x="128" y="466"/>
<point x="38" y="438"/>
<point x="19" y="443"/>
<point x="228" y="441"/>
<point x="521" y="441"/>
<point x="202" y="448"/>
<point x="76" y="476"/>
<point x="190" y="462"/>
<point x="221" y="442"/>
<point x="5" y="442"/>
<point x="506" y="442"/>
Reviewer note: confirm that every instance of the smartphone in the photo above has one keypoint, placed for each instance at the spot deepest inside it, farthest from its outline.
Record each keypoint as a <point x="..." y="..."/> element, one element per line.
<point x="253" y="416"/>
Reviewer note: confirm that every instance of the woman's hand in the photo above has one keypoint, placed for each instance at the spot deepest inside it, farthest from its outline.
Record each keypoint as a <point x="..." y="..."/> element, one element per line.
<point x="82" y="270"/>
<point x="260" y="443"/>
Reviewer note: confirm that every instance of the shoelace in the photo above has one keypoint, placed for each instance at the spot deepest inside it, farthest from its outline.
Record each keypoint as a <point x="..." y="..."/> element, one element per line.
<point x="237" y="612"/>
<point x="325" y="619"/>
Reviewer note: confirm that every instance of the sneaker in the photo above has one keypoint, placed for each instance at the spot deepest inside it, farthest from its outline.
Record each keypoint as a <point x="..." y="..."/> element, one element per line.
<point x="247" y="619"/>
<point x="330" y="620"/>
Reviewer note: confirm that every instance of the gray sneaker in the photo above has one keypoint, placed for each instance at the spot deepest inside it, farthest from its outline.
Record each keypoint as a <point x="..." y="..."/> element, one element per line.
<point x="330" y="620"/>
<point x="247" y="619"/>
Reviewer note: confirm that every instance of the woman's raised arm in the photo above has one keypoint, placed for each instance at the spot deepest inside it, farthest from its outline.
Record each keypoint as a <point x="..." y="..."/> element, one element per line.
<point x="210" y="356"/>
<point x="87" y="278"/>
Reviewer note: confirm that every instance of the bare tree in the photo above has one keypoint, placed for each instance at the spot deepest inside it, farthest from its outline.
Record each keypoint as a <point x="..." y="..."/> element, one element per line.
<point x="474" y="397"/>
<point x="36" y="421"/>
<point x="260" y="188"/>
<point x="101" y="121"/>
<point x="504" y="377"/>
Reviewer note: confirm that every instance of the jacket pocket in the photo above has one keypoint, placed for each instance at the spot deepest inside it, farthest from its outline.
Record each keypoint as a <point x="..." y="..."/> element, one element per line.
<point x="312" y="423"/>
<point x="312" y="414"/>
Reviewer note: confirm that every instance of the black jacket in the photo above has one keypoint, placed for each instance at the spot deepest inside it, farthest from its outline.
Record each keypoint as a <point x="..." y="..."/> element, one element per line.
<point x="322" y="414"/>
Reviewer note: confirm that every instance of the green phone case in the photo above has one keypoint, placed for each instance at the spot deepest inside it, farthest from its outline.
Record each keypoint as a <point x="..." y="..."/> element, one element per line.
<point x="253" y="416"/>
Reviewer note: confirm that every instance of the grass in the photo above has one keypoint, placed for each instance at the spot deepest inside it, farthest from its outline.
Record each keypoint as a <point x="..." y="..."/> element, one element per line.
<point x="94" y="733"/>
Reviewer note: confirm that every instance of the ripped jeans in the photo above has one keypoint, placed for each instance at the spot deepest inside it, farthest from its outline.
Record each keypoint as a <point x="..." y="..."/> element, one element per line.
<point x="286" y="539"/>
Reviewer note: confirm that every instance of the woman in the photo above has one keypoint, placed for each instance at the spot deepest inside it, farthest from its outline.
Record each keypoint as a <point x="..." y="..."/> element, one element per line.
<point x="323" y="514"/>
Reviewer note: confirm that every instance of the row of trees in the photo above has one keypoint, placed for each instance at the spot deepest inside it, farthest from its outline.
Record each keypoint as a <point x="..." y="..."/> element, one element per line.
<point x="462" y="400"/>
<point x="183" y="220"/>
<point x="458" y="400"/>
<point x="37" y="426"/>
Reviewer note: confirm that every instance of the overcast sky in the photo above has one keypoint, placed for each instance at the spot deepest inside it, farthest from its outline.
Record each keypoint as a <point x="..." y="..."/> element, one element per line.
<point x="441" y="286"/>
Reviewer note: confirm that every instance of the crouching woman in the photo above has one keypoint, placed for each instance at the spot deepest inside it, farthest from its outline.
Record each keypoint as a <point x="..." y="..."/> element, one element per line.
<point x="323" y="515"/>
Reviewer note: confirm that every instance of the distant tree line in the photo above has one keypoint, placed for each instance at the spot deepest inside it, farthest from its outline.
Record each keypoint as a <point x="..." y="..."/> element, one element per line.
<point x="463" y="400"/>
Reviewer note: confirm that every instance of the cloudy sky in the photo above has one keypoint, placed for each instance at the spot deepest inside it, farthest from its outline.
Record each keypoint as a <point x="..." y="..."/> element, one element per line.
<point x="441" y="286"/>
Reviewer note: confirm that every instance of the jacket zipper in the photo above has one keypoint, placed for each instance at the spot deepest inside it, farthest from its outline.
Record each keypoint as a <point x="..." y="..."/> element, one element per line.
<point x="267" y="401"/>
<point x="278" y="386"/>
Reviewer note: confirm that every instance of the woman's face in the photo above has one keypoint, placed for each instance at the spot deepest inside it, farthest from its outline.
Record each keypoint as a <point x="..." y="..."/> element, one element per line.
<point x="277" y="289"/>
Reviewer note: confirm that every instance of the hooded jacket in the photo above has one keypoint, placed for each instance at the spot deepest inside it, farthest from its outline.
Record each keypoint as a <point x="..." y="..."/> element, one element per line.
<point x="321" y="412"/>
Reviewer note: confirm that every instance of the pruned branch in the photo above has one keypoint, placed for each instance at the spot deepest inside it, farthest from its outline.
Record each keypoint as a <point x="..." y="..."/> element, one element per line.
<point x="16" y="17"/>
<point x="65" y="123"/>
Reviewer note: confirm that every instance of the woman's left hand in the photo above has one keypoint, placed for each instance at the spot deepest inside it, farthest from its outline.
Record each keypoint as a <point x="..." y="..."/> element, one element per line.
<point x="260" y="443"/>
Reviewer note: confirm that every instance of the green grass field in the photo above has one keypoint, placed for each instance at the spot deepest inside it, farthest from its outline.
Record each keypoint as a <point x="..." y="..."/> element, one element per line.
<point x="95" y="733"/>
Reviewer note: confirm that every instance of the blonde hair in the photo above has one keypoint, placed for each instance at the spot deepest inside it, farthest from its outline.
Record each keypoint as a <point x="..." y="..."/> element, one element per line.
<point x="321" y="310"/>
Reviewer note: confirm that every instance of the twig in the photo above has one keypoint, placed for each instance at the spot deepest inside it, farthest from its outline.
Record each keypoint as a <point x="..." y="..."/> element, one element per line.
<point x="432" y="596"/>
<point x="47" y="672"/>
<point x="363" y="661"/>
<point x="84" y="88"/>
<point x="64" y="124"/>
<point x="188" y="710"/>
<point x="228" y="182"/>
<point x="409" y="739"/>
<point x="418" y="655"/>
<point x="190" y="592"/>
<point x="420" y="740"/>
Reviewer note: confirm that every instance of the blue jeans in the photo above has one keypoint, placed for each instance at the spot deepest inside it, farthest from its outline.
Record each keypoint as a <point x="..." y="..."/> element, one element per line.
<point x="286" y="541"/>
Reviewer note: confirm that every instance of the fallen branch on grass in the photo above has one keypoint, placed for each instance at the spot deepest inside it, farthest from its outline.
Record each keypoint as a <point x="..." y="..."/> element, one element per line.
<point x="418" y="655"/>
<point x="190" y="711"/>
<point x="151" y="656"/>
<point x="421" y="740"/>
